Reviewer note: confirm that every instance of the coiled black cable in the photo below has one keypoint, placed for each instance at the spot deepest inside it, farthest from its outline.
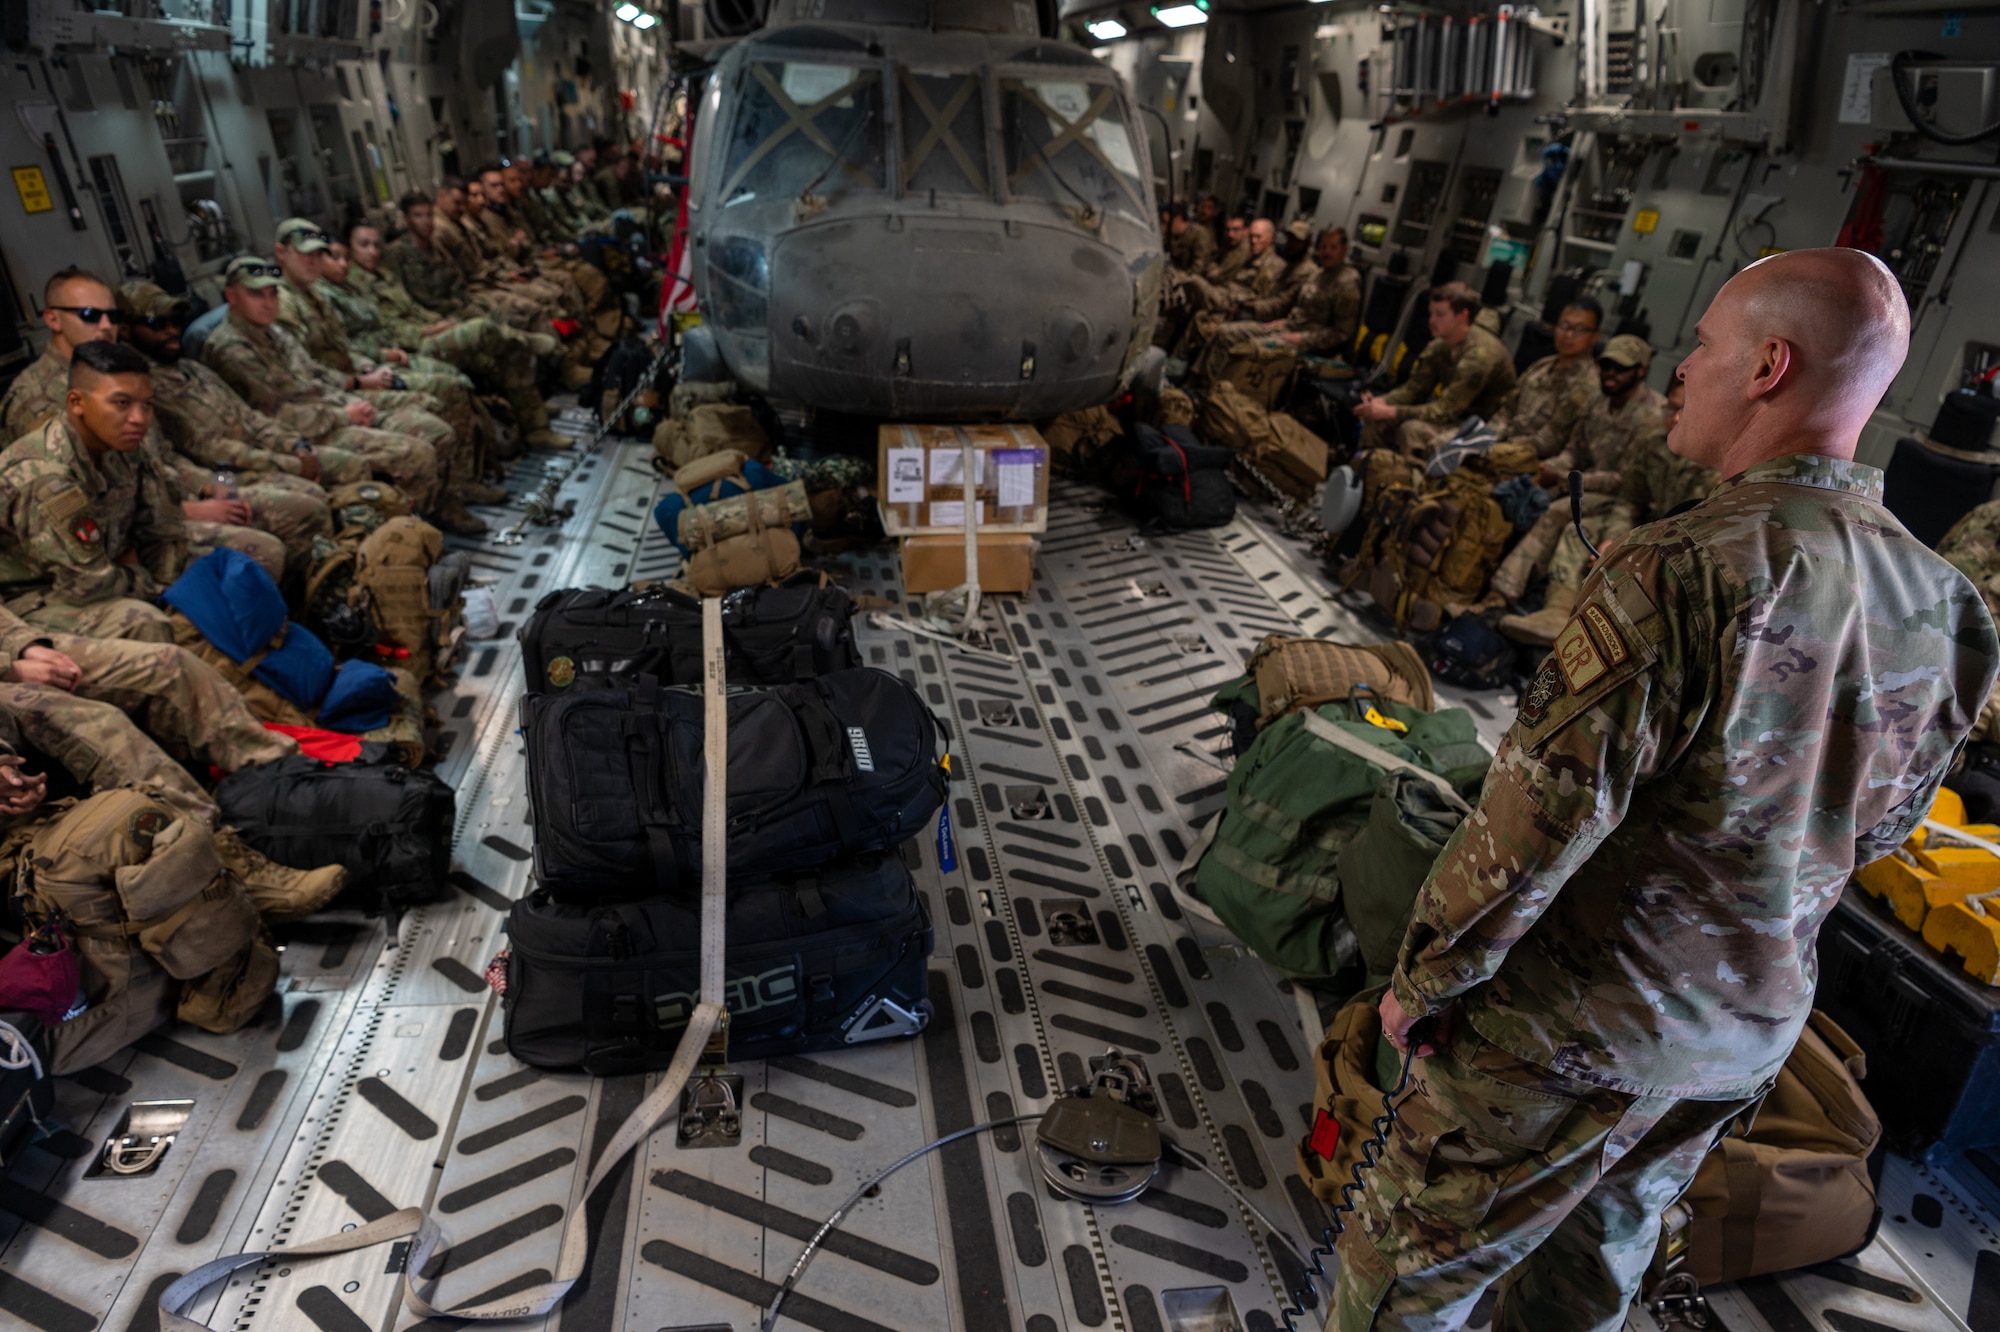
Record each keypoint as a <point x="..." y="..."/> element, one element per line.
<point x="1350" y="1192"/>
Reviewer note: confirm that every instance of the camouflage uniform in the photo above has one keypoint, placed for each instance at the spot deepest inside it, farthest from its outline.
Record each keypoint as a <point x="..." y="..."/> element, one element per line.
<point x="126" y="693"/>
<point x="42" y="391"/>
<point x="1973" y="548"/>
<point x="66" y="517"/>
<point x="1228" y="264"/>
<point x="1607" y="434"/>
<point x="1447" y="385"/>
<point x="1549" y="402"/>
<point x="1193" y="250"/>
<point x="444" y="398"/>
<point x="498" y="359"/>
<point x="1324" y="312"/>
<point x="270" y="371"/>
<point x="1627" y="922"/>
<point x="433" y="275"/>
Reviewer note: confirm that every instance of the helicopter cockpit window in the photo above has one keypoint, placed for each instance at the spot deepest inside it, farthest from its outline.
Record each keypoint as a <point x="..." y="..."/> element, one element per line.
<point x="1067" y="140"/>
<point x="944" y="133"/>
<point x="803" y="127"/>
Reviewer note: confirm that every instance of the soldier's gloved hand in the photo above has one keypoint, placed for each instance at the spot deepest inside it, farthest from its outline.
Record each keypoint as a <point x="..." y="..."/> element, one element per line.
<point x="44" y="666"/>
<point x="20" y="791"/>
<point x="1396" y="1024"/>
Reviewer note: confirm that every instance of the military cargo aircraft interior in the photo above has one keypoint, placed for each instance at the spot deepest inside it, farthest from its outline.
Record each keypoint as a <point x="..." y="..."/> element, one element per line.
<point x="1000" y="665"/>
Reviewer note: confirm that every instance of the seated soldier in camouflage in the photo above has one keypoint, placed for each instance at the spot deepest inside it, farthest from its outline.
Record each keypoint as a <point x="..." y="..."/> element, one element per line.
<point x="1625" y="421"/>
<point x="555" y="253"/>
<point x="1463" y="371"/>
<point x="433" y="262"/>
<point x="253" y="525"/>
<point x="1555" y="392"/>
<point x="507" y="248"/>
<point x="91" y="530"/>
<point x="271" y="371"/>
<point x="420" y="401"/>
<point x="1319" y="317"/>
<point x="218" y="437"/>
<point x="498" y="359"/>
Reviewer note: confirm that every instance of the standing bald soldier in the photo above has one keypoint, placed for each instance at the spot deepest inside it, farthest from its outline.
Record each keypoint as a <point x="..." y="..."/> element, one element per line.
<point x="1618" y="946"/>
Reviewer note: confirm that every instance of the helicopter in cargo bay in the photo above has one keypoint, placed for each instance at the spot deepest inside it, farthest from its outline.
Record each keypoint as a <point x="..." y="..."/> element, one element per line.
<point x="922" y="211"/>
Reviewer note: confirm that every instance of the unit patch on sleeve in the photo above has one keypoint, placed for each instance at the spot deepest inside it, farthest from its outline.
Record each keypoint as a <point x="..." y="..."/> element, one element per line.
<point x="1578" y="656"/>
<point x="1608" y="637"/>
<point x="1545" y="689"/>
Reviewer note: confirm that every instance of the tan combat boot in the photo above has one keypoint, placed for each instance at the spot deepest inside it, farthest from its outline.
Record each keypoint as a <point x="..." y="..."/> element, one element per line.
<point x="451" y="515"/>
<point x="1541" y="628"/>
<point x="279" y="892"/>
<point x="480" y="492"/>
<point x="548" y="441"/>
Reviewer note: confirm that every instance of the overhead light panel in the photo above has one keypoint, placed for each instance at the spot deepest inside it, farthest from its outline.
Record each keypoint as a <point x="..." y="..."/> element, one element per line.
<point x="1181" y="16"/>
<point x="644" y="21"/>
<point x="1105" y="30"/>
<point x="627" y="11"/>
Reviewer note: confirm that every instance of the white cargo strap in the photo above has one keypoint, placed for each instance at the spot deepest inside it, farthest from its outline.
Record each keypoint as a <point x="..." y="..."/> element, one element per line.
<point x="1376" y="755"/>
<point x="709" y="1017"/>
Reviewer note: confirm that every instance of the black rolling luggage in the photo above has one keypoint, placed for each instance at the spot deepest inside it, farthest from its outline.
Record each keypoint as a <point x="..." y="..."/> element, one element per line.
<point x="818" y="771"/>
<point x="771" y="635"/>
<point x="816" y="961"/>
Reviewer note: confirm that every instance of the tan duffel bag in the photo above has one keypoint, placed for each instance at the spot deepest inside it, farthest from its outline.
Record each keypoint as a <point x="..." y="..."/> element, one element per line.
<point x="1294" y="673"/>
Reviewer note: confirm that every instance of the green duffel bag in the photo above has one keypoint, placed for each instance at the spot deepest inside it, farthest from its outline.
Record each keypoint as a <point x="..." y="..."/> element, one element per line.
<point x="1409" y="821"/>
<point x="1269" y="869"/>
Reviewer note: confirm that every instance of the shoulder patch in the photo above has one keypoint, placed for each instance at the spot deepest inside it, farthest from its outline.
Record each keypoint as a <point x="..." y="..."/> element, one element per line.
<point x="1609" y="640"/>
<point x="59" y="505"/>
<point x="1543" y="691"/>
<point x="1578" y="656"/>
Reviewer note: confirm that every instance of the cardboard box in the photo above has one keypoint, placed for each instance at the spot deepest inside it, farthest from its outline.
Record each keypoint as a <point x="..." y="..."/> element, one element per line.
<point x="922" y="491"/>
<point x="937" y="563"/>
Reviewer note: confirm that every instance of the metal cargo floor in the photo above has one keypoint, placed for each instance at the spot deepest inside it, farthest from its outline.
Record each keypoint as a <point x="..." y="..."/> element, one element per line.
<point x="1086" y="754"/>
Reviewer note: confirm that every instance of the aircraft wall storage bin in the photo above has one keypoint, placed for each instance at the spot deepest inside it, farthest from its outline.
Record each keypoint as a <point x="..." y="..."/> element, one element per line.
<point x="1932" y="1035"/>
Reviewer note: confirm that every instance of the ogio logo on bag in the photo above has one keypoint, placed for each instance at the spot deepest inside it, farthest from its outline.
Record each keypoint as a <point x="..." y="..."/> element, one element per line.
<point x="857" y="740"/>
<point x="742" y="994"/>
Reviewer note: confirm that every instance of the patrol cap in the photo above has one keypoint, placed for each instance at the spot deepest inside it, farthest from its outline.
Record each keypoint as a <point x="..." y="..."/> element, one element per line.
<point x="141" y="300"/>
<point x="1300" y="229"/>
<point x="1627" y="350"/>
<point x="562" y="158"/>
<point x="302" y="235"/>
<point x="252" y="272"/>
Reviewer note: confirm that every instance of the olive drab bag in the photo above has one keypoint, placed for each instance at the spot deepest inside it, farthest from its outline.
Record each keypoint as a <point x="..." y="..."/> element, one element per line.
<point x="744" y="539"/>
<point x="1294" y="673"/>
<point x="1384" y="868"/>
<point x="715" y="426"/>
<point x="1434" y="543"/>
<point x="1354" y="1065"/>
<point x="1260" y="369"/>
<point x="414" y="612"/>
<point x="1793" y="1191"/>
<point x="161" y="927"/>
<point x="363" y="506"/>
<point x="1269" y="866"/>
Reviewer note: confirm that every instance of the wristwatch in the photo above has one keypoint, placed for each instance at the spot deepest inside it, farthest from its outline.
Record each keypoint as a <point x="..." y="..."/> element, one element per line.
<point x="303" y="447"/>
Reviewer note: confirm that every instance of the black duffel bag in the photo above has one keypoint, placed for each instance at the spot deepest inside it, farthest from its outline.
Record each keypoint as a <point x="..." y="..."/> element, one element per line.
<point x="770" y="635"/>
<point x="1182" y="483"/>
<point x="813" y="962"/>
<point x="390" y="827"/>
<point x="818" y="770"/>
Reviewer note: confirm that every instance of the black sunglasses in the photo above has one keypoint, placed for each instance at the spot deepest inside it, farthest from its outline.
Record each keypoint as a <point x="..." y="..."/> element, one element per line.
<point x="256" y="270"/>
<point x="92" y="314"/>
<point x="157" y="323"/>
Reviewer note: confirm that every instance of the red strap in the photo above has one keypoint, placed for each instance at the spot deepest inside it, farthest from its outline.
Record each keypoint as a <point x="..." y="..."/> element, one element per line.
<point x="1325" y="1135"/>
<point x="1187" y="469"/>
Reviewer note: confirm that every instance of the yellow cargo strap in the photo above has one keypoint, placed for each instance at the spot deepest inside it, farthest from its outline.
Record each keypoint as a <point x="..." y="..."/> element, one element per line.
<point x="1386" y="723"/>
<point x="706" y="1035"/>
